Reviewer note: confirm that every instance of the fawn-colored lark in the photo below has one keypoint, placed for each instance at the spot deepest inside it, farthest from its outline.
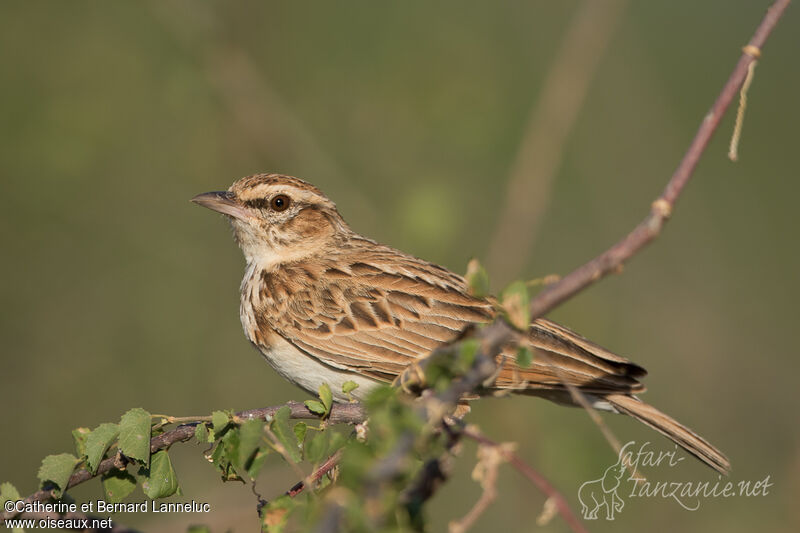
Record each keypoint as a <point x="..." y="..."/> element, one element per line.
<point x="325" y="305"/>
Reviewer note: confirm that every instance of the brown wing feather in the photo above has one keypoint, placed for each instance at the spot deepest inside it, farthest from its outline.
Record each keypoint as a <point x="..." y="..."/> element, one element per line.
<point x="562" y="357"/>
<point x="386" y="310"/>
<point x="376" y="315"/>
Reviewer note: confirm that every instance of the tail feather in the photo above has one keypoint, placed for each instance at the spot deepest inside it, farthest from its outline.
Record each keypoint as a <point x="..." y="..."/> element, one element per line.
<point x="672" y="429"/>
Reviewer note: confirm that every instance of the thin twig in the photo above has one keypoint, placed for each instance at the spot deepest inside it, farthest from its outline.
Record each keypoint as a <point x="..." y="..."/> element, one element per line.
<point x="529" y="472"/>
<point x="485" y="472"/>
<point x="275" y="442"/>
<point x="329" y="464"/>
<point x="580" y="398"/>
<point x="612" y="259"/>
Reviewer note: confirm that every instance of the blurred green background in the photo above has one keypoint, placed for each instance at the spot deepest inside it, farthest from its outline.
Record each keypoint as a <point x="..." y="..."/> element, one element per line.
<point x="117" y="292"/>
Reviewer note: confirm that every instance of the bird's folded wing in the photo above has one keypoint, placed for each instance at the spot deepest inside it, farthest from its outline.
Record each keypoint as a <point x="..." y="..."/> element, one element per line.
<point x="377" y="317"/>
<point x="377" y="321"/>
<point x="562" y="358"/>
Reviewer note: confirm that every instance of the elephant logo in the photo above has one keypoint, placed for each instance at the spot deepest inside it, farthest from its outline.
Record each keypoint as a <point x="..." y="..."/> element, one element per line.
<point x="601" y="493"/>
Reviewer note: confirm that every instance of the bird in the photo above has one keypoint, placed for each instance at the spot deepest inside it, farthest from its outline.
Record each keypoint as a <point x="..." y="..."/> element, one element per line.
<point x="324" y="304"/>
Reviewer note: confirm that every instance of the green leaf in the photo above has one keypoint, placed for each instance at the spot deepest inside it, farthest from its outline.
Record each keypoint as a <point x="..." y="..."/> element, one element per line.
<point x="477" y="279"/>
<point x="220" y="458"/>
<point x="79" y="438"/>
<point x="516" y="302"/>
<point x="467" y="350"/>
<point x="287" y="438"/>
<point x="300" y="429"/>
<point x="275" y="515"/>
<point x="315" y="407"/>
<point x="198" y="529"/>
<point x="448" y="363"/>
<point x="337" y="440"/>
<point x="219" y="421"/>
<point x="379" y="396"/>
<point x="202" y="434"/>
<point x="349" y="386"/>
<point x="98" y="442"/>
<point x="56" y="469"/>
<point x="134" y="435"/>
<point x="317" y="447"/>
<point x="8" y="493"/>
<point x="161" y="479"/>
<point x="254" y="467"/>
<point x="356" y="461"/>
<point x="250" y="434"/>
<point x="326" y="397"/>
<point x="524" y="356"/>
<point x="118" y="484"/>
<point x="230" y="443"/>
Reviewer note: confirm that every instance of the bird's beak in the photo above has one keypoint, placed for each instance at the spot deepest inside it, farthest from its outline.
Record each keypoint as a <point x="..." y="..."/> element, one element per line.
<point x="223" y="202"/>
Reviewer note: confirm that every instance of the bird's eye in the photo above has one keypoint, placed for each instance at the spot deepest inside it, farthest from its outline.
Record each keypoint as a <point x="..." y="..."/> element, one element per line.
<point x="279" y="202"/>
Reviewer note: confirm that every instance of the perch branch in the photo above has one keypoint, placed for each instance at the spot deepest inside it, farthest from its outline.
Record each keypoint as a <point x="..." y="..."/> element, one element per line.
<point x="349" y="413"/>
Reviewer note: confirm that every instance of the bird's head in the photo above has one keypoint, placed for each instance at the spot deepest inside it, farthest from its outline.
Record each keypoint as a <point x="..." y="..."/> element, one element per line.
<point x="277" y="219"/>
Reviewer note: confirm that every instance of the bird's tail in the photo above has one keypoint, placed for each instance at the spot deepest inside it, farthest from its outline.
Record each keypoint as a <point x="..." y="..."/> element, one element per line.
<point x="672" y="429"/>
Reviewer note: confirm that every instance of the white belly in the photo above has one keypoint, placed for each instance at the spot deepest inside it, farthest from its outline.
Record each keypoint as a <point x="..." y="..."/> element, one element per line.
<point x="308" y="373"/>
